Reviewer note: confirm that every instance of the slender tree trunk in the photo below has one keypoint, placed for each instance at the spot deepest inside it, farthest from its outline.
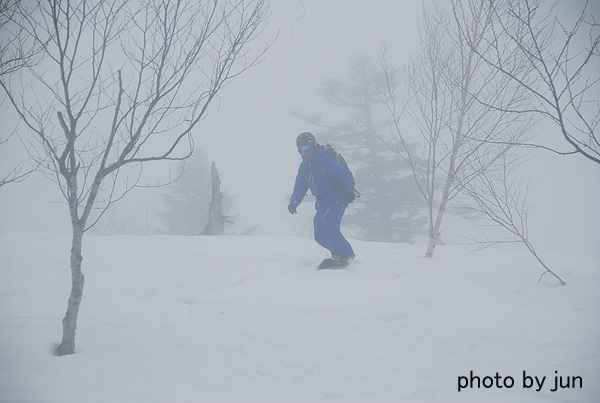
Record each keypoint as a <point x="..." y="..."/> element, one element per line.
<point x="67" y="345"/>
<point x="434" y="231"/>
<point x="216" y="219"/>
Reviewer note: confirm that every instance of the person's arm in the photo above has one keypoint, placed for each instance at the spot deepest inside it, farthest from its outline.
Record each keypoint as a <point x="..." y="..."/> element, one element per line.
<point x="300" y="187"/>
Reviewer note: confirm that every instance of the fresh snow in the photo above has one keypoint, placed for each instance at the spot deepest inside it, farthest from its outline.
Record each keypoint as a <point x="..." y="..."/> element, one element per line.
<point x="236" y="319"/>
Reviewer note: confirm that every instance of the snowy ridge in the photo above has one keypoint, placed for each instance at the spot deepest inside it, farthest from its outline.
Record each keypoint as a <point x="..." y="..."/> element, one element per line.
<point x="228" y="319"/>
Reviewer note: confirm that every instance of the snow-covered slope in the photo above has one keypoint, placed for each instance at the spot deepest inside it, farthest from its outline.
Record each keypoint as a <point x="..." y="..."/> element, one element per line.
<point x="220" y="319"/>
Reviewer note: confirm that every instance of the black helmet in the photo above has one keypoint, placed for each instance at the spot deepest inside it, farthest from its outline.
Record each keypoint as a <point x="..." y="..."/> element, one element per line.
<point x="306" y="138"/>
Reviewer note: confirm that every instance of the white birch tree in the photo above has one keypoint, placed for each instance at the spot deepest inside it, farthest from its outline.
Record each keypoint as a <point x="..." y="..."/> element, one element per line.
<point x="123" y="84"/>
<point x="445" y="81"/>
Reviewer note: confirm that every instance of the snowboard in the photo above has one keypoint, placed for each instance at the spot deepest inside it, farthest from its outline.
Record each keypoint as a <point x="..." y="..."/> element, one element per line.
<point x="331" y="264"/>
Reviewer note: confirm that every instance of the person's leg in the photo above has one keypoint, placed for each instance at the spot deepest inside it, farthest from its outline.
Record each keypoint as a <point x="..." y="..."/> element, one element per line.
<point x="327" y="229"/>
<point x="318" y="228"/>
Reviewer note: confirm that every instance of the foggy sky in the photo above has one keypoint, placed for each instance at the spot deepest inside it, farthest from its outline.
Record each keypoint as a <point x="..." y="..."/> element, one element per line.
<point x="251" y="135"/>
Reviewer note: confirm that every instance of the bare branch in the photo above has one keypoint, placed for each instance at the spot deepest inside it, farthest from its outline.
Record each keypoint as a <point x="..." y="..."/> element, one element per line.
<point x="559" y="69"/>
<point x="502" y="200"/>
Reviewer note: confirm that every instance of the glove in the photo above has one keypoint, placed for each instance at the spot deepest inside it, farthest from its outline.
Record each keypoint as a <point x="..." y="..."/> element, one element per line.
<point x="349" y="196"/>
<point x="292" y="208"/>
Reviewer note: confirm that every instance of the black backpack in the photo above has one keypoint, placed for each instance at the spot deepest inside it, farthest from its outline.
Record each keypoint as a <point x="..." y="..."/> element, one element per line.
<point x="340" y="159"/>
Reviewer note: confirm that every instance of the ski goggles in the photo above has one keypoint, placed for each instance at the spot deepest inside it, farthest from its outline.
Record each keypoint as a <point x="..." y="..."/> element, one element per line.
<point x="305" y="148"/>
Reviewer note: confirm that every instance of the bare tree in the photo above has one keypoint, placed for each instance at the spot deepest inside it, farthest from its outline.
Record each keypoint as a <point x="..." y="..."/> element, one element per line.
<point x="502" y="200"/>
<point x="445" y="79"/>
<point x="561" y="70"/>
<point x="123" y="84"/>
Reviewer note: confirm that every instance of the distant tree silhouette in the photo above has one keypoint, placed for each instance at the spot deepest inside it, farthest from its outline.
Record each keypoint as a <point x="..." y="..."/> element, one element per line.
<point x="188" y="198"/>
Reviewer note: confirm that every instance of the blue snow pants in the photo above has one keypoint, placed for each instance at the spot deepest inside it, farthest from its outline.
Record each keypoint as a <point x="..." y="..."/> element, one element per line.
<point x="327" y="228"/>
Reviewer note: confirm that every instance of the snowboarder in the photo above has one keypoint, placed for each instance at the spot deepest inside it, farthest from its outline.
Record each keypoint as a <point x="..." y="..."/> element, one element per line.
<point x="333" y="186"/>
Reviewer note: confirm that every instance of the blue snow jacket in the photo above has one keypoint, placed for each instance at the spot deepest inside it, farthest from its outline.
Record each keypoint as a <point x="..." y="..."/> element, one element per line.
<point x="326" y="186"/>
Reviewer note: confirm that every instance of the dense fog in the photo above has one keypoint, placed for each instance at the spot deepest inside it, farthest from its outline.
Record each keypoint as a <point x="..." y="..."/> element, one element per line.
<point x="166" y="148"/>
<point x="250" y="133"/>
